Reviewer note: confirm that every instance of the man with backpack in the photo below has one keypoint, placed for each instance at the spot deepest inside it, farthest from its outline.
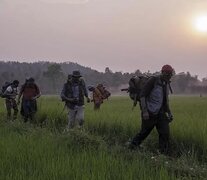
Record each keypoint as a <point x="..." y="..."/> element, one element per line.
<point x="29" y="92"/>
<point x="73" y="93"/>
<point x="99" y="95"/>
<point x="155" y="111"/>
<point x="105" y="93"/>
<point x="10" y="91"/>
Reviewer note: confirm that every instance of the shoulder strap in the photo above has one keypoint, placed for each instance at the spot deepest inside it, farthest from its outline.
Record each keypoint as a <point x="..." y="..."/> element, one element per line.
<point x="170" y="88"/>
<point x="81" y="82"/>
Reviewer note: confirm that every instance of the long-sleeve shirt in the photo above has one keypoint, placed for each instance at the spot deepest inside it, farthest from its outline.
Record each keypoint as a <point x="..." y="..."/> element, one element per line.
<point x="69" y="93"/>
<point x="154" y="96"/>
<point x="29" y="91"/>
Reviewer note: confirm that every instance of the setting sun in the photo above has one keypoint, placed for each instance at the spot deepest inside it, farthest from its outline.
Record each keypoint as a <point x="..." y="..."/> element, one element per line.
<point x="200" y="23"/>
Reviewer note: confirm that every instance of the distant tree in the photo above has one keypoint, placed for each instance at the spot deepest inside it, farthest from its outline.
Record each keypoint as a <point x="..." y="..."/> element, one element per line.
<point x="107" y="70"/>
<point x="138" y="72"/>
<point x="6" y="76"/>
<point x="204" y="81"/>
<point x="51" y="76"/>
<point x="54" y="73"/>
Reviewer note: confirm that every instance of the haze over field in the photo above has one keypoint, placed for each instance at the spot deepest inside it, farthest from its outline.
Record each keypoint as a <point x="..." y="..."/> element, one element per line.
<point x="123" y="34"/>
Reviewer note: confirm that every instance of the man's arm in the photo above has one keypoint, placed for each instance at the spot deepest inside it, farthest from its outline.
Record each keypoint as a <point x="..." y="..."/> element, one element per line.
<point x="20" y="94"/>
<point x="63" y="94"/>
<point x="38" y="93"/>
<point x="167" y="108"/>
<point x="85" y="90"/>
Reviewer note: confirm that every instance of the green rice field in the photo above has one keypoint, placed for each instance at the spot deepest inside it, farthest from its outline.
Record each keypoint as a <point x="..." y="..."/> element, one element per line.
<point x="44" y="150"/>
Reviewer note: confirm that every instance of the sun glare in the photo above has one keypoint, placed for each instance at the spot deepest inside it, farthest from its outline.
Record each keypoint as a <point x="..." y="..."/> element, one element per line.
<point x="200" y="23"/>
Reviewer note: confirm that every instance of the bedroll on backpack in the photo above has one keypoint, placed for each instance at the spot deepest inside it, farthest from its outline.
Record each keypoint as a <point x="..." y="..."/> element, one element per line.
<point x="136" y="84"/>
<point x="105" y="93"/>
<point x="3" y="89"/>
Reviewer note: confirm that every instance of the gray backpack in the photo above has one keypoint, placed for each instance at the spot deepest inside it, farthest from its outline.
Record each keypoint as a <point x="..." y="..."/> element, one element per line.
<point x="3" y="89"/>
<point x="136" y="84"/>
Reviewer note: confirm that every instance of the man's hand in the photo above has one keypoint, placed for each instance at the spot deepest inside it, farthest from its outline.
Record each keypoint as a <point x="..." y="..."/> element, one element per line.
<point x="71" y="100"/>
<point x="170" y="117"/>
<point x="34" y="98"/>
<point x="135" y="103"/>
<point x="145" y="115"/>
<point x="74" y="100"/>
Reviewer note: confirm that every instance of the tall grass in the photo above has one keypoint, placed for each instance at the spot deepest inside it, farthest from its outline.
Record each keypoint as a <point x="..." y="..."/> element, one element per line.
<point x="43" y="150"/>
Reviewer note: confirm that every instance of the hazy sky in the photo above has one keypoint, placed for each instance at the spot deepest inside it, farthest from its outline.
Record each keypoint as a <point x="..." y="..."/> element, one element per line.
<point x="123" y="34"/>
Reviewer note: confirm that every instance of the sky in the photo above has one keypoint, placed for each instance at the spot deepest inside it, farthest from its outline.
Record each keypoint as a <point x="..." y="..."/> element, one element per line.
<point x="124" y="35"/>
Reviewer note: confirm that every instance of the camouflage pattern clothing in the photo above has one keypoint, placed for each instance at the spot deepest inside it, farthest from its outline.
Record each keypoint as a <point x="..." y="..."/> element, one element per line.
<point x="11" y="104"/>
<point x="10" y="101"/>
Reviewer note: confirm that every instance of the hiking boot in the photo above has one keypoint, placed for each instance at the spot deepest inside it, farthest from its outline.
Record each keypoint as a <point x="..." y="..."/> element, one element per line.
<point x="130" y="145"/>
<point x="25" y="120"/>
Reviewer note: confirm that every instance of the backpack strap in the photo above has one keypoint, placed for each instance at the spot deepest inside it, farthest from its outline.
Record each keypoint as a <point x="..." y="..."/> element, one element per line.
<point x="170" y="88"/>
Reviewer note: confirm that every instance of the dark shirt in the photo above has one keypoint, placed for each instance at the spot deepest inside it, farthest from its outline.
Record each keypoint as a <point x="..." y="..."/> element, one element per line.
<point x="29" y="91"/>
<point x="70" y="92"/>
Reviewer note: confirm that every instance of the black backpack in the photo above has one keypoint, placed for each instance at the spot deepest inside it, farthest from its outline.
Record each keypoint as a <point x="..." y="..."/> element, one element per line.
<point x="3" y="89"/>
<point x="136" y="84"/>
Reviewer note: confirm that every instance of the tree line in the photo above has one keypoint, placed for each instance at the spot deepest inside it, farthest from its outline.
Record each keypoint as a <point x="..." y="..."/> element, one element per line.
<point x="51" y="77"/>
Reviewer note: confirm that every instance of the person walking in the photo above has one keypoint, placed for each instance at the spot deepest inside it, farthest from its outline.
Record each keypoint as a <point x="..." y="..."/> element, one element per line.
<point x="29" y="93"/>
<point x="155" y="111"/>
<point x="10" y="94"/>
<point x="73" y="93"/>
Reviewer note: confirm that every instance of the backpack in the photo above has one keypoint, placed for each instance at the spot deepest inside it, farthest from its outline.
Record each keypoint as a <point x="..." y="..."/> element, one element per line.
<point x="106" y="94"/>
<point x="3" y="89"/>
<point x="136" y="84"/>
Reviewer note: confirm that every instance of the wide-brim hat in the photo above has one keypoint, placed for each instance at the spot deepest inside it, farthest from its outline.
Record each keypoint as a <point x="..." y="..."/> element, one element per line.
<point x="76" y="74"/>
